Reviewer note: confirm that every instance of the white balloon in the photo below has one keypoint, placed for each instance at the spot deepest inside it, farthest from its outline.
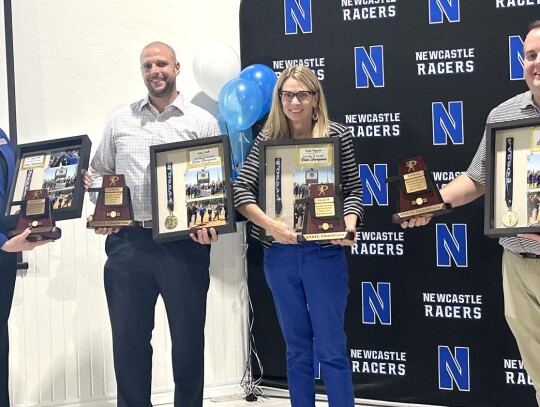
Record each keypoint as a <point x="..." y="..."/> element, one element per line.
<point x="214" y="65"/>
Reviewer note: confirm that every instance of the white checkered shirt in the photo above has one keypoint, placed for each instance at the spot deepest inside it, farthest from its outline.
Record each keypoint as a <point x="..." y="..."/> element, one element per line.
<point x="128" y="135"/>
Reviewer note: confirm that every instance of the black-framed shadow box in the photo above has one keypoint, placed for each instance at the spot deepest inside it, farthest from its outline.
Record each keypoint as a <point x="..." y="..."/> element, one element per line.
<point x="54" y="165"/>
<point x="512" y="201"/>
<point x="191" y="188"/>
<point x="300" y="185"/>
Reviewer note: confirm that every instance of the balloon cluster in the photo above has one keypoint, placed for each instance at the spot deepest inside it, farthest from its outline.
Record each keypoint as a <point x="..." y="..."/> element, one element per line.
<point x="243" y="97"/>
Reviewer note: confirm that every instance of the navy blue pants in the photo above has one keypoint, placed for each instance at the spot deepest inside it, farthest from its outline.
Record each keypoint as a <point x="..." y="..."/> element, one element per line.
<point x="8" y="272"/>
<point x="136" y="272"/>
<point x="310" y="288"/>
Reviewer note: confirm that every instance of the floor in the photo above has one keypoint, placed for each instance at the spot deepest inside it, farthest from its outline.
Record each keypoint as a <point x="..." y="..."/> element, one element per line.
<point x="234" y="396"/>
<point x="281" y="401"/>
<point x="279" y="398"/>
<point x="261" y="402"/>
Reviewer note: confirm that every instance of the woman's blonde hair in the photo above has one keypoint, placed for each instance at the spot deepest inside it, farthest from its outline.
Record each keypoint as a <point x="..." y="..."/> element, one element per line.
<point x="277" y="124"/>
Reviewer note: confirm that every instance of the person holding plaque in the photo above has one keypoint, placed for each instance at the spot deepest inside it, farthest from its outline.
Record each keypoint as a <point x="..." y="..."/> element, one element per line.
<point x="521" y="257"/>
<point x="309" y="281"/>
<point x="137" y="268"/>
<point x="8" y="262"/>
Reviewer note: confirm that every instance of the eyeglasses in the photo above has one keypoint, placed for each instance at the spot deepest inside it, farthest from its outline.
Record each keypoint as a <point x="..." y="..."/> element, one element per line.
<point x="302" y="96"/>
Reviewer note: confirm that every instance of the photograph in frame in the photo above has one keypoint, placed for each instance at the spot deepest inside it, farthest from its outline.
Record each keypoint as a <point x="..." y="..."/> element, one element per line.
<point x="289" y="170"/>
<point x="512" y="199"/>
<point x="191" y="188"/>
<point x="303" y="177"/>
<point x="54" y="165"/>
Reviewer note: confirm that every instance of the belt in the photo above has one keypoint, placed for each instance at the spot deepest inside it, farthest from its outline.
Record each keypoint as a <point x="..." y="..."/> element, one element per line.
<point x="145" y="224"/>
<point x="529" y="255"/>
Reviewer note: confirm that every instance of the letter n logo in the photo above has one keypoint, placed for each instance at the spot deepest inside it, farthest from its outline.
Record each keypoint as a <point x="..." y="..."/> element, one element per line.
<point x="369" y="67"/>
<point x="515" y="57"/>
<point x="440" y="8"/>
<point x="376" y="303"/>
<point x="447" y="123"/>
<point x="451" y="245"/>
<point x="454" y="369"/>
<point x="375" y="186"/>
<point x="297" y="15"/>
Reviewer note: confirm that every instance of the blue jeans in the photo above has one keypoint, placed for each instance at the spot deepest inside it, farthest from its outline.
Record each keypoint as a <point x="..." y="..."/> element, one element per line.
<point x="310" y="287"/>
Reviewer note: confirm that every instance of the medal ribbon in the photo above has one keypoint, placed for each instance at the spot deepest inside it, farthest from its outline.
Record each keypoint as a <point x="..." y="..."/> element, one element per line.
<point x="27" y="182"/>
<point x="509" y="173"/>
<point x="170" y="191"/>
<point x="279" y="204"/>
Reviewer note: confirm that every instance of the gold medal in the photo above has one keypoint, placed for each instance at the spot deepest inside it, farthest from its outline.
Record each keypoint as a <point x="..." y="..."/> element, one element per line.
<point x="325" y="226"/>
<point x="35" y="223"/>
<point x="510" y="219"/>
<point x="113" y="214"/>
<point x="171" y="221"/>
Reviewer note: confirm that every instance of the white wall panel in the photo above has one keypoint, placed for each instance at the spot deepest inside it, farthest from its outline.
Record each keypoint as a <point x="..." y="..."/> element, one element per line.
<point x="76" y="61"/>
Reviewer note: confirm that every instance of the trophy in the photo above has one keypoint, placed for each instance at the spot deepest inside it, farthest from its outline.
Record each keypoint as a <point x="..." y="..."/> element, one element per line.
<point x="323" y="215"/>
<point x="37" y="213"/>
<point x="418" y="194"/>
<point x="113" y="206"/>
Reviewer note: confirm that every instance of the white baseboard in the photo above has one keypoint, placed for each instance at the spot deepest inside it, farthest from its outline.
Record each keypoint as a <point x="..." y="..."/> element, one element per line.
<point x="229" y="388"/>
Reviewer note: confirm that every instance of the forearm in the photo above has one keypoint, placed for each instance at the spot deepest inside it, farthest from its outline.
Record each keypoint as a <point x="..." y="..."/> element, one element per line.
<point x="279" y="230"/>
<point x="352" y="187"/>
<point x="462" y="190"/>
<point x="102" y="163"/>
<point x="255" y="214"/>
<point x="104" y="160"/>
<point x="350" y="221"/>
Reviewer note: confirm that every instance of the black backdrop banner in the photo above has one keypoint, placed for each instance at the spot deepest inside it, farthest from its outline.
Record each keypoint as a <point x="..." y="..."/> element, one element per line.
<point x="425" y="319"/>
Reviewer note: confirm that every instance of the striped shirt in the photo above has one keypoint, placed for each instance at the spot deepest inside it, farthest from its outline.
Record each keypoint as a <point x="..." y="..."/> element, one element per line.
<point x="246" y="186"/>
<point x="128" y="135"/>
<point x="518" y="107"/>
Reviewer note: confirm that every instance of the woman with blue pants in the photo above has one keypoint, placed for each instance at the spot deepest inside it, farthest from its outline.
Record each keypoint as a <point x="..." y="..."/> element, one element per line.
<point x="309" y="281"/>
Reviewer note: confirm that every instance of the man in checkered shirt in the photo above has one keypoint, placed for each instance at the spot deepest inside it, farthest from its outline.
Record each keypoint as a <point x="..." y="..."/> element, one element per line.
<point x="138" y="269"/>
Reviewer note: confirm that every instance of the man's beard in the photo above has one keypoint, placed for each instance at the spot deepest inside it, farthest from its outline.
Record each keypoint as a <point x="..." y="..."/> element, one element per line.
<point x="169" y="86"/>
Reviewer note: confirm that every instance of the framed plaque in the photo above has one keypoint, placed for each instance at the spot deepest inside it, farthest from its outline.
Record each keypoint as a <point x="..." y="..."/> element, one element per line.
<point x="191" y="188"/>
<point x="512" y="202"/>
<point x="300" y="185"/>
<point x="53" y="165"/>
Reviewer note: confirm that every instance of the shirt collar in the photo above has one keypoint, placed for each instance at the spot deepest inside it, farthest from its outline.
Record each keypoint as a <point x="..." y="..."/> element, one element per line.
<point x="178" y="103"/>
<point x="526" y="101"/>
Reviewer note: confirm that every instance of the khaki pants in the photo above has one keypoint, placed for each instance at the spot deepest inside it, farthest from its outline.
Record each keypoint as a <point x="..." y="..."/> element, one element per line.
<point x="521" y="285"/>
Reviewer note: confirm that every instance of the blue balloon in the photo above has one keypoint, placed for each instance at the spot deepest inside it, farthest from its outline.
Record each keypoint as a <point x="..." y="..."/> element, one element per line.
<point x="241" y="142"/>
<point x="265" y="78"/>
<point x="222" y="124"/>
<point x="240" y="103"/>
